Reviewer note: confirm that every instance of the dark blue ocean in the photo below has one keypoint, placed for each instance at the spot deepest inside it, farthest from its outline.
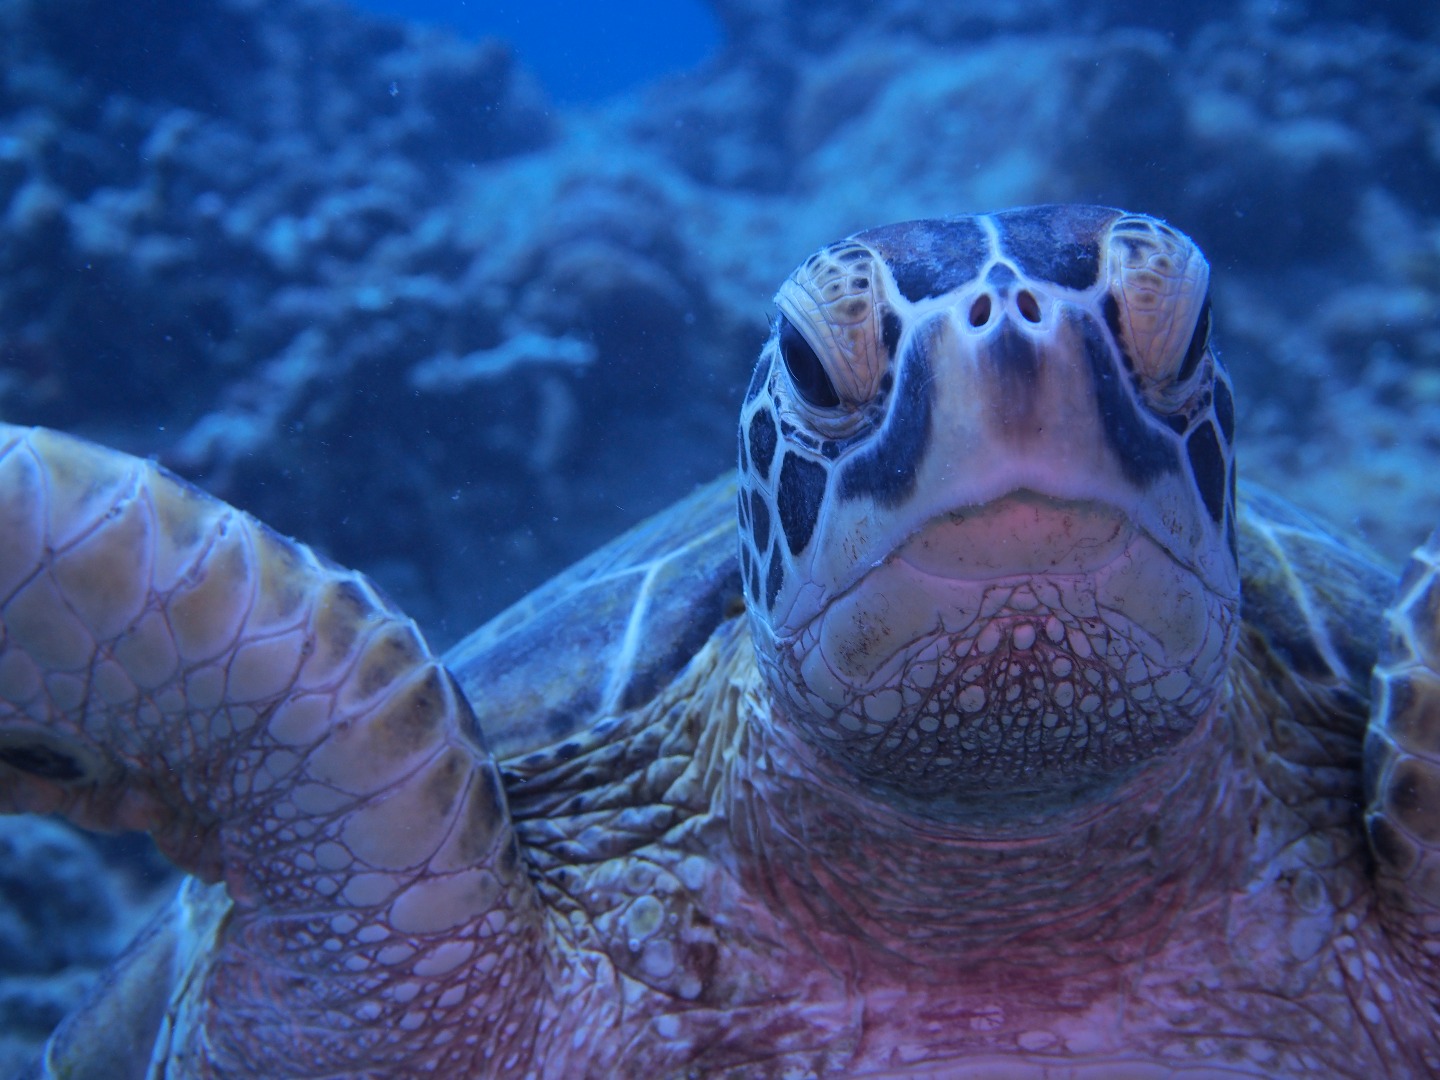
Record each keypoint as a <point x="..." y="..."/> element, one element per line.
<point x="580" y="51"/>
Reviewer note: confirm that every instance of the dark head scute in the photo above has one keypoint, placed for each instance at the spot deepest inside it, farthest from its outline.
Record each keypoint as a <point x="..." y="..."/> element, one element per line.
<point x="758" y="377"/>
<point x="1208" y="465"/>
<point x="1112" y="321"/>
<point x="1060" y="244"/>
<point x="762" y="437"/>
<point x="890" y="332"/>
<point x="799" y="496"/>
<point x="1230" y="539"/>
<point x="1143" y="451"/>
<point x="774" y="576"/>
<point x="1199" y="342"/>
<point x="886" y="469"/>
<point x="759" y="521"/>
<point x="930" y="257"/>
<point x="1225" y="411"/>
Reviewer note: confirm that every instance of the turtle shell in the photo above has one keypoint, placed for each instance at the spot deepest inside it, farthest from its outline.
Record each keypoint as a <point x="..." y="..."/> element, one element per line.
<point x="606" y="635"/>
<point x="1316" y="599"/>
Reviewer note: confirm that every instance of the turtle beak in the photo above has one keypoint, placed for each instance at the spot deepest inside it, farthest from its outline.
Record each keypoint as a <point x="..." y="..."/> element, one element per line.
<point x="1023" y="533"/>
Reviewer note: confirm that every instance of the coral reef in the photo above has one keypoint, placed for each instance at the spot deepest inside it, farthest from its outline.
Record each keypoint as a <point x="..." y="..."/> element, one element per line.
<point x="68" y="904"/>
<point x="219" y="235"/>
<point x="250" y="238"/>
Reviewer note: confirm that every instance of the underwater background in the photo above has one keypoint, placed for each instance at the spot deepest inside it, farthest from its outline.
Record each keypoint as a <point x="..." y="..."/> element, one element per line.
<point x="455" y="291"/>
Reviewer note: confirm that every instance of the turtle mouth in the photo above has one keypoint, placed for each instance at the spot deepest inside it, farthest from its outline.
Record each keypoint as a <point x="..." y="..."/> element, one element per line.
<point x="1021" y="533"/>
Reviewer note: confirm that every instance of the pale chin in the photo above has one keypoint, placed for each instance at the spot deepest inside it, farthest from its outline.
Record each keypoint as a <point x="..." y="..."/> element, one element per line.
<point x="1089" y="651"/>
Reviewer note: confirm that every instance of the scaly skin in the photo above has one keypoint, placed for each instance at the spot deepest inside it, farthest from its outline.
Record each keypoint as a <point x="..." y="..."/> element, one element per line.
<point x="787" y="927"/>
<point x="169" y="664"/>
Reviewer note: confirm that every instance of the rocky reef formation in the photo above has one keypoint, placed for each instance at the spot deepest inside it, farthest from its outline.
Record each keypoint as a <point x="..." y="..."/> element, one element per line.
<point x="68" y="904"/>
<point x="362" y="280"/>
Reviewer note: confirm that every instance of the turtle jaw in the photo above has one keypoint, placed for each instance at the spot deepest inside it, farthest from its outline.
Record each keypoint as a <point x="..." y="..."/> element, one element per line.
<point x="1023" y="533"/>
<point x="1031" y="650"/>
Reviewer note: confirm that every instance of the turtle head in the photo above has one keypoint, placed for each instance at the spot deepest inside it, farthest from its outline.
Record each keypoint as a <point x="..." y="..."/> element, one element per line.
<point x="987" y="504"/>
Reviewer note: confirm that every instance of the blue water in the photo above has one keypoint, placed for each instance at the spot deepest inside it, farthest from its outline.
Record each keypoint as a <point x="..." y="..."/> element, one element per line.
<point x="580" y="51"/>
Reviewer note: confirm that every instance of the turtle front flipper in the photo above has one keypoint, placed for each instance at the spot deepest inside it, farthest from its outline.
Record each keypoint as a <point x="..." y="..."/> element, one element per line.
<point x="168" y="663"/>
<point x="1402" y="764"/>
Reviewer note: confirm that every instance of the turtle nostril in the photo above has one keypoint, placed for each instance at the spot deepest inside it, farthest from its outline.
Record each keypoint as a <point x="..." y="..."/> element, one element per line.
<point x="980" y="311"/>
<point x="1028" y="305"/>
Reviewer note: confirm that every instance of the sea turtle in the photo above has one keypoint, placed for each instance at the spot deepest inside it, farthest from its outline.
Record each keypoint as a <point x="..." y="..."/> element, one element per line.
<point x="1005" y="745"/>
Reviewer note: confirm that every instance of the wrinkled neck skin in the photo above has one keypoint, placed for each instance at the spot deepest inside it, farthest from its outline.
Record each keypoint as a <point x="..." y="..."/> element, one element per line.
<point x="1081" y="888"/>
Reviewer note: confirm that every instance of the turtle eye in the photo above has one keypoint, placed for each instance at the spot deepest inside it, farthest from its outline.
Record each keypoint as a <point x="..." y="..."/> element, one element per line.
<point x="807" y="373"/>
<point x="1199" y="342"/>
